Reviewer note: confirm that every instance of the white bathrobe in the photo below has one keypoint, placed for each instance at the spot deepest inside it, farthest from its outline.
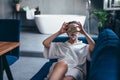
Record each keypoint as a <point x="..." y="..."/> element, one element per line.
<point x="74" y="54"/>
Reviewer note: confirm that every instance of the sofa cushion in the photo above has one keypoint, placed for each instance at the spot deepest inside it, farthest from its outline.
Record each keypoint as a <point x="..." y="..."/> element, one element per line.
<point x="104" y="64"/>
<point x="42" y="73"/>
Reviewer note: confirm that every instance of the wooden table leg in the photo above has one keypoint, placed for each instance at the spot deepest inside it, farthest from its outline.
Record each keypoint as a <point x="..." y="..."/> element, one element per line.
<point x="7" y="68"/>
<point x="1" y="69"/>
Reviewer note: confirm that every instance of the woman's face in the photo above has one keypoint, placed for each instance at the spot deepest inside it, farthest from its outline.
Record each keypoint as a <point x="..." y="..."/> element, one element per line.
<point x="73" y="31"/>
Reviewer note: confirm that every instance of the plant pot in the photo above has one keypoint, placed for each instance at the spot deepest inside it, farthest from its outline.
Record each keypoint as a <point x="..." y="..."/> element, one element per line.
<point x="18" y="7"/>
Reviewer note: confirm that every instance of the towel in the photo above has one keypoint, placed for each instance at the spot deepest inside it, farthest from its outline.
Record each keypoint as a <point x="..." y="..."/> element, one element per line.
<point x="30" y="14"/>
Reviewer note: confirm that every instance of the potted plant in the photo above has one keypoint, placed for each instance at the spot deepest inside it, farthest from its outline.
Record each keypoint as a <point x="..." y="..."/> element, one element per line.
<point x="17" y="5"/>
<point x="101" y="16"/>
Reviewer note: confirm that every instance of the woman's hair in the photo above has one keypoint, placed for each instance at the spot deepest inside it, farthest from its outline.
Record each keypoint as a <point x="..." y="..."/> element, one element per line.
<point x="71" y="22"/>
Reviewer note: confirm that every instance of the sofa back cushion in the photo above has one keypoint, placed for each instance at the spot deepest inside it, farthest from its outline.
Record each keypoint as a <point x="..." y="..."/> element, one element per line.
<point x="65" y="38"/>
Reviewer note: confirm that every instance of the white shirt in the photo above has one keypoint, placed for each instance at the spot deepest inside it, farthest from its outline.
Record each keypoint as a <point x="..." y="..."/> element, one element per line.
<point x="74" y="54"/>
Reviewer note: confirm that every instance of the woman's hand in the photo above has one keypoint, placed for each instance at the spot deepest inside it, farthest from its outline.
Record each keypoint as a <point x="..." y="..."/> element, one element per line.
<point x="82" y="31"/>
<point x="63" y="28"/>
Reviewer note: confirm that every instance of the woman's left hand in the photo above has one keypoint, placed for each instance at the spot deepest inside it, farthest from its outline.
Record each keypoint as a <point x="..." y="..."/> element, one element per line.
<point x="82" y="31"/>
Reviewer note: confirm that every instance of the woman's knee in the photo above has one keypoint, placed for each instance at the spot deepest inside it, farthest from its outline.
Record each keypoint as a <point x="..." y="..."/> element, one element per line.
<point x="62" y="64"/>
<point x="59" y="71"/>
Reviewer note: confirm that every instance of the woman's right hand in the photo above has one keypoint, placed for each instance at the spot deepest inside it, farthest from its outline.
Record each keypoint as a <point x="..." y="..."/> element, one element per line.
<point x="63" y="28"/>
<point x="48" y="40"/>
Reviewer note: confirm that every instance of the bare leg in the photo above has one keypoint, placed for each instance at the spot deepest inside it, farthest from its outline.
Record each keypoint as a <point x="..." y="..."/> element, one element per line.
<point x="59" y="71"/>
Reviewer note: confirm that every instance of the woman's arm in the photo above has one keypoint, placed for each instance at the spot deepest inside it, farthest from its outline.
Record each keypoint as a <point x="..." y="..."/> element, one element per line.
<point x="48" y="41"/>
<point x="89" y="39"/>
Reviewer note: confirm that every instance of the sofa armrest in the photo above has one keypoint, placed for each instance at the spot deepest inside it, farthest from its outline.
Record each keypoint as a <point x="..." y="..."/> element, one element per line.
<point x="105" y="60"/>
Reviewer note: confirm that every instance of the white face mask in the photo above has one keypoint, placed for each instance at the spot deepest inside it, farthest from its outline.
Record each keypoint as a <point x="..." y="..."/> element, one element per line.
<point x="73" y="35"/>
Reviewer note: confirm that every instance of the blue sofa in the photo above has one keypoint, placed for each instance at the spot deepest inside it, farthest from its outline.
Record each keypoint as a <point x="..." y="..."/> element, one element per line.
<point x="105" y="58"/>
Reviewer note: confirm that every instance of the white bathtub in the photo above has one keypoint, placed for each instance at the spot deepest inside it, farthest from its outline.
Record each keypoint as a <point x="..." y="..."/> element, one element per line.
<point x="49" y="24"/>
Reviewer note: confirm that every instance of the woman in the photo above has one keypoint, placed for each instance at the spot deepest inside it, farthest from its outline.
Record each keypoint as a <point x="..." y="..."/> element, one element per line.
<point x="72" y="54"/>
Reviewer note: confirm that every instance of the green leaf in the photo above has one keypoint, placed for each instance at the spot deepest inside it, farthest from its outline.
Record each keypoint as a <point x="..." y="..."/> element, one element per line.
<point x="101" y="15"/>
